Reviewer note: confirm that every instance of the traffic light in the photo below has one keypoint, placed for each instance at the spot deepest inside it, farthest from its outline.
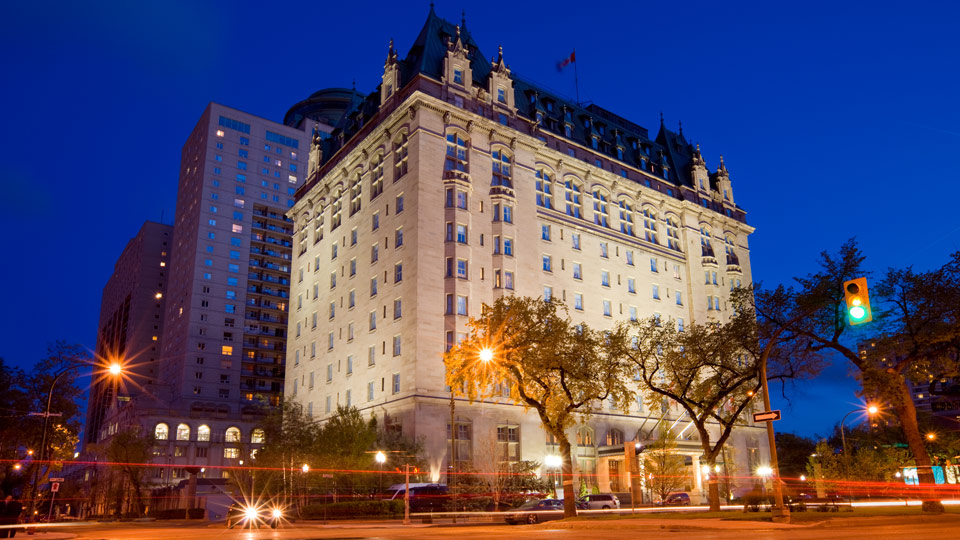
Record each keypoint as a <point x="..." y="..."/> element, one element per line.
<point x="858" y="301"/>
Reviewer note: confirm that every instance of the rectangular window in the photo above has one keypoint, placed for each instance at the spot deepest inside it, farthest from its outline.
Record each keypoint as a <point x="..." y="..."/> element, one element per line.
<point x="462" y="268"/>
<point x="577" y="273"/>
<point x="633" y="313"/>
<point x="374" y="253"/>
<point x="547" y="293"/>
<point x="396" y="383"/>
<point x="653" y="265"/>
<point x="369" y="391"/>
<point x="605" y="278"/>
<point x="373" y="320"/>
<point x="631" y="286"/>
<point x="578" y="301"/>
<point x="508" y="280"/>
<point x="508" y="246"/>
<point x="547" y="263"/>
<point x="397" y="342"/>
<point x="545" y="232"/>
<point x="680" y="325"/>
<point x="679" y="298"/>
<point x="397" y="308"/>
<point x="398" y="272"/>
<point x="398" y="237"/>
<point x="373" y="286"/>
<point x="372" y="355"/>
<point x="461" y="305"/>
<point x="629" y="257"/>
<point x="656" y="292"/>
<point x="350" y="365"/>
<point x="376" y="221"/>
<point x="399" y="203"/>
<point x="604" y="251"/>
<point x="606" y="308"/>
<point x="461" y="233"/>
<point x="575" y="238"/>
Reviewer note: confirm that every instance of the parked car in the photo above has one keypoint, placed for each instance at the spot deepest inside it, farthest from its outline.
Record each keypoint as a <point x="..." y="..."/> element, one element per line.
<point x="423" y="497"/>
<point x="677" y="499"/>
<point x="599" y="501"/>
<point x="536" y="511"/>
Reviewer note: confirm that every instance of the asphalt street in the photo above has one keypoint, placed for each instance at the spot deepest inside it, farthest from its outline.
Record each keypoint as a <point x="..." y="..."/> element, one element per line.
<point x="874" y="528"/>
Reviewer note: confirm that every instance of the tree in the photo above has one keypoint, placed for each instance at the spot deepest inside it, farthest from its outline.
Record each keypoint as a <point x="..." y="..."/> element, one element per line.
<point x="713" y="372"/>
<point x="551" y="365"/>
<point x="665" y="469"/>
<point x="873" y="468"/>
<point x="129" y="451"/>
<point x="916" y="320"/>
<point x="793" y="453"/>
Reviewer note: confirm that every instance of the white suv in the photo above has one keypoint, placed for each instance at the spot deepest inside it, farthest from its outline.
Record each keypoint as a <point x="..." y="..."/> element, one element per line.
<point x="601" y="501"/>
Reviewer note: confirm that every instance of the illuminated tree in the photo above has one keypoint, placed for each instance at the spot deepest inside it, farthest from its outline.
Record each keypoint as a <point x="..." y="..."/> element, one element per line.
<point x="664" y="468"/>
<point x="549" y="364"/>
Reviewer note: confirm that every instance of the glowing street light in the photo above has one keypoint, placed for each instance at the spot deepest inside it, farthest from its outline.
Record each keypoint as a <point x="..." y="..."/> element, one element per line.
<point x="115" y="368"/>
<point x="764" y="471"/>
<point x="931" y="436"/>
<point x="305" y="468"/>
<point x="870" y="410"/>
<point x="486" y="354"/>
<point x="381" y="457"/>
<point x="803" y="478"/>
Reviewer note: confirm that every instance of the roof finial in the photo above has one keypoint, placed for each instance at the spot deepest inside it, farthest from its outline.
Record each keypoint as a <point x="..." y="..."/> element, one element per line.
<point x="463" y="19"/>
<point x="458" y="32"/>
<point x="681" y="127"/>
<point x="661" y="118"/>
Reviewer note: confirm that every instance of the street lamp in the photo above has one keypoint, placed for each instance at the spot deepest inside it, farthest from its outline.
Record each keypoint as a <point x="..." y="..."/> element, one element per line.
<point x="764" y="472"/>
<point x="486" y="354"/>
<point x="381" y="459"/>
<point x="115" y="369"/>
<point x="871" y="410"/>
<point x="931" y="436"/>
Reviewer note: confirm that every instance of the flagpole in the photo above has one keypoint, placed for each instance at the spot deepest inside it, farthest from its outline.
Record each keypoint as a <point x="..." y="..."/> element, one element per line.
<point x="576" y="78"/>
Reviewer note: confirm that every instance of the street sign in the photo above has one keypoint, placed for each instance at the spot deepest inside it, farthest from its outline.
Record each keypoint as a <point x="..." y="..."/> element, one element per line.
<point x="55" y="487"/>
<point x="766" y="416"/>
<point x="58" y="479"/>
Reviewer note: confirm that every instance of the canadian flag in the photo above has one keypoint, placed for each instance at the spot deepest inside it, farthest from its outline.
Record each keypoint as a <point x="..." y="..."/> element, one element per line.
<point x="567" y="61"/>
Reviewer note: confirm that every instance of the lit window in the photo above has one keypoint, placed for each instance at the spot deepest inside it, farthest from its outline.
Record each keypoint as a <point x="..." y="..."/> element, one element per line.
<point x="161" y="432"/>
<point x="226" y="350"/>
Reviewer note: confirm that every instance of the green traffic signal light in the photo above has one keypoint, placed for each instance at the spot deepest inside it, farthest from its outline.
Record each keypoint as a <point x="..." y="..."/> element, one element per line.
<point x="857" y="312"/>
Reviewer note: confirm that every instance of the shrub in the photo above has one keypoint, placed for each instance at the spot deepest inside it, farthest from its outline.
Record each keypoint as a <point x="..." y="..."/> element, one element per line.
<point x="353" y="509"/>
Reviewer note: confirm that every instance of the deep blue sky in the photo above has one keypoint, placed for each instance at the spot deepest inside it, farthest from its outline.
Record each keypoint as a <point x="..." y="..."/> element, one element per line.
<point x="834" y="120"/>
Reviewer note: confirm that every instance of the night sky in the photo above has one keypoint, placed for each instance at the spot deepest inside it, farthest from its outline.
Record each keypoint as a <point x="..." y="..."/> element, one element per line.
<point x="834" y="121"/>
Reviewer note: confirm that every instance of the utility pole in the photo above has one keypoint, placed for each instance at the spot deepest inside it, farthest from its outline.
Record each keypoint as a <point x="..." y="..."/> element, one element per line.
<point x="780" y="512"/>
<point x="406" y="495"/>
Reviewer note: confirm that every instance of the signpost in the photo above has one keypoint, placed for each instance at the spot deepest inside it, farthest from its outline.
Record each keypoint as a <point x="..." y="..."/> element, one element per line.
<point x="54" y="488"/>
<point x="766" y="416"/>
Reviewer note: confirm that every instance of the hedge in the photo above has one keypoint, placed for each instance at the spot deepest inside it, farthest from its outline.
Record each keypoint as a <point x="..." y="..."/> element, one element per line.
<point x="352" y="509"/>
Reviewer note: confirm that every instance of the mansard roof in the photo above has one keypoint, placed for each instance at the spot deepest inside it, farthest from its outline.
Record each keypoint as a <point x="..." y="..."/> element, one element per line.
<point x="669" y="154"/>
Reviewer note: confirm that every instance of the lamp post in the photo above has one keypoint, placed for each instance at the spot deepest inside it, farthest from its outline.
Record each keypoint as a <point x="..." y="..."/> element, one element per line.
<point x="764" y="472"/>
<point x="870" y="410"/>
<point x="114" y="369"/>
<point x="381" y="458"/>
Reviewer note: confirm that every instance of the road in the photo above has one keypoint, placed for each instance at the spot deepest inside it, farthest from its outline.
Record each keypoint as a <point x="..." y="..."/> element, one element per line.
<point x="874" y="528"/>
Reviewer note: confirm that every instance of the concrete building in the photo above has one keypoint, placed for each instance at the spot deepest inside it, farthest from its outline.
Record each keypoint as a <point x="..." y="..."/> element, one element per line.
<point x="457" y="182"/>
<point x="226" y="297"/>
<point x="131" y="321"/>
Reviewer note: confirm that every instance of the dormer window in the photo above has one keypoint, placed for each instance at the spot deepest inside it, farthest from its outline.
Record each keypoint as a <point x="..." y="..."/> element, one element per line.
<point x="594" y="142"/>
<point x="567" y="130"/>
<point x="633" y="144"/>
<point x="567" y="114"/>
<point x="620" y="153"/>
<point x="501" y="95"/>
<point x="458" y="76"/>
<point x="533" y="99"/>
<point x="586" y="123"/>
<point x="600" y="128"/>
<point x="539" y="117"/>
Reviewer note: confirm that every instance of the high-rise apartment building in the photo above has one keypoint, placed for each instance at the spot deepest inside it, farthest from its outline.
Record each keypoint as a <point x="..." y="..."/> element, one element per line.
<point x="225" y="294"/>
<point x="131" y="322"/>
<point x="458" y="182"/>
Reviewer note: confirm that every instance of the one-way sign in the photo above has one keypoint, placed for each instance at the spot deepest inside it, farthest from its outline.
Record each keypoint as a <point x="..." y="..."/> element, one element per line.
<point x="766" y="416"/>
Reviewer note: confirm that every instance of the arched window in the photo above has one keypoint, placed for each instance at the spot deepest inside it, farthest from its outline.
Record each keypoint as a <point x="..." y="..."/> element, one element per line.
<point x="614" y="437"/>
<point x="335" y="210"/>
<point x="502" y="172"/>
<point x="673" y="234"/>
<point x="356" y="189"/>
<point x="586" y="456"/>
<point x="544" y="189"/>
<point x="183" y="432"/>
<point x="650" y="225"/>
<point x="318" y="226"/>
<point x="601" y="214"/>
<point x="705" y="245"/>
<point x="400" y="157"/>
<point x="456" y="154"/>
<point x="161" y="432"/>
<point x="203" y="433"/>
<point x="232" y="435"/>
<point x="729" y="246"/>
<point x="257" y="436"/>
<point x="376" y="177"/>
<point x="572" y="194"/>
<point x="626" y="218"/>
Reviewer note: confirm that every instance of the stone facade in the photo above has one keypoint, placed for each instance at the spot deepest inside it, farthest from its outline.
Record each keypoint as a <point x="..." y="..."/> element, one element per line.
<point x="449" y="197"/>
